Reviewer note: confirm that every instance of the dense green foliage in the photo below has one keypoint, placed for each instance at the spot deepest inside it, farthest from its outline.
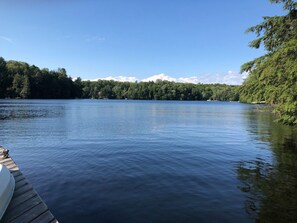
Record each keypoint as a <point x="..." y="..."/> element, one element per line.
<point x="273" y="77"/>
<point x="161" y="90"/>
<point x="20" y="80"/>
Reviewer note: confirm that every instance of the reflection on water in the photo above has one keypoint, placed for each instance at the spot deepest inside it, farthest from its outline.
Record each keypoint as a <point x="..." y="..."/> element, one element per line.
<point x="271" y="187"/>
<point x="154" y="161"/>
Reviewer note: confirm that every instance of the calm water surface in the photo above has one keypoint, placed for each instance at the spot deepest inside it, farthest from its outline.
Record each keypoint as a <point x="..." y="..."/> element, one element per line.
<point x="153" y="161"/>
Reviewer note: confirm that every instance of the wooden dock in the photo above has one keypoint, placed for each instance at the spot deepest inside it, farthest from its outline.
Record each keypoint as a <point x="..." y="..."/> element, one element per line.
<point x="26" y="205"/>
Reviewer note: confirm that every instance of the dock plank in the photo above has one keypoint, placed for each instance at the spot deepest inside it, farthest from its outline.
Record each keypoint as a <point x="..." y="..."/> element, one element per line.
<point x="5" y="160"/>
<point x="22" y="190"/>
<point x="11" y="166"/>
<point x="19" y="178"/>
<point x="22" y="208"/>
<point x="22" y="198"/>
<point x="31" y="214"/>
<point x="26" y="205"/>
<point x="20" y="183"/>
<point x="45" y="217"/>
<point x="16" y="173"/>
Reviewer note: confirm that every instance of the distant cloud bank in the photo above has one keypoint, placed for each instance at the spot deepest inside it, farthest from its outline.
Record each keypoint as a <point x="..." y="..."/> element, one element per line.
<point x="119" y="78"/>
<point x="165" y="77"/>
<point x="231" y="77"/>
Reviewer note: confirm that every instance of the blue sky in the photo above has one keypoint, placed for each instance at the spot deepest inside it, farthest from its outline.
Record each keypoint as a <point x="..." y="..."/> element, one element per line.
<point x="200" y="40"/>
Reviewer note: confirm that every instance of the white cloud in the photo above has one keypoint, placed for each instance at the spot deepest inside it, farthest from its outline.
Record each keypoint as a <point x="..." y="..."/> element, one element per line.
<point x="7" y="39"/>
<point x="193" y="80"/>
<point x="230" y="77"/>
<point x="162" y="77"/>
<point x="165" y="77"/>
<point x="118" y="78"/>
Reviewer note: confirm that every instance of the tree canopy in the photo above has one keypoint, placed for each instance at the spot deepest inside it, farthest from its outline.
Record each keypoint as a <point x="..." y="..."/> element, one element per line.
<point x="159" y="90"/>
<point x="273" y="76"/>
<point x="20" y="80"/>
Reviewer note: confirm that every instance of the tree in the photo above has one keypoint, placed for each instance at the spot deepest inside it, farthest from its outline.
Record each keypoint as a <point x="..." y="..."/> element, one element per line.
<point x="17" y="84"/>
<point x="3" y="78"/>
<point x="273" y="76"/>
<point x="19" y="79"/>
<point x="25" y="93"/>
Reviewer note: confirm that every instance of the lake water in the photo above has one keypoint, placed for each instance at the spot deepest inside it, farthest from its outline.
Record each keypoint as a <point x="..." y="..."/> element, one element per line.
<point x="154" y="161"/>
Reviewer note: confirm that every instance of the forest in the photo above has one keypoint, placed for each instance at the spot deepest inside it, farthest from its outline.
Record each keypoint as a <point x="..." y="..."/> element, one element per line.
<point x="21" y="80"/>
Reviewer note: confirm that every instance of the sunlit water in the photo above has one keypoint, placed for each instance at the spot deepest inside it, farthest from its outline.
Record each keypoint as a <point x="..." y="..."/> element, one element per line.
<point x="154" y="161"/>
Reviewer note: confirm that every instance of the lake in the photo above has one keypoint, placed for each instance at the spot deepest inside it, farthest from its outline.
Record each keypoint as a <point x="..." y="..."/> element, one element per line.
<point x="154" y="161"/>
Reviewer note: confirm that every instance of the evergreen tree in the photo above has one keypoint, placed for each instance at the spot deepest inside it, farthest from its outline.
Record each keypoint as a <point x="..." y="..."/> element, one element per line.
<point x="273" y="76"/>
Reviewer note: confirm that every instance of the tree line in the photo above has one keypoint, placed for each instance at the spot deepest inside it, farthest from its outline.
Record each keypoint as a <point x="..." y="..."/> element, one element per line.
<point x="20" y="80"/>
<point x="159" y="90"/>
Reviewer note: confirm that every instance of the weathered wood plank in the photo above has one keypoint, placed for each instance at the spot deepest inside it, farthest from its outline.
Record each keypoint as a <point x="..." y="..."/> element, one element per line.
<point x="22" y="208"/>
<point x="15" y="168"/>
<point x="11" y="166"/>
<point x="19" y="178"/>
<point x="45" y="217"/>
<point x="31" y="214"/>
<point x="5" y="160"/>
<point x="20" y="183"/>
<point x="22" y="198"/>
<point x="22" y="190"/>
